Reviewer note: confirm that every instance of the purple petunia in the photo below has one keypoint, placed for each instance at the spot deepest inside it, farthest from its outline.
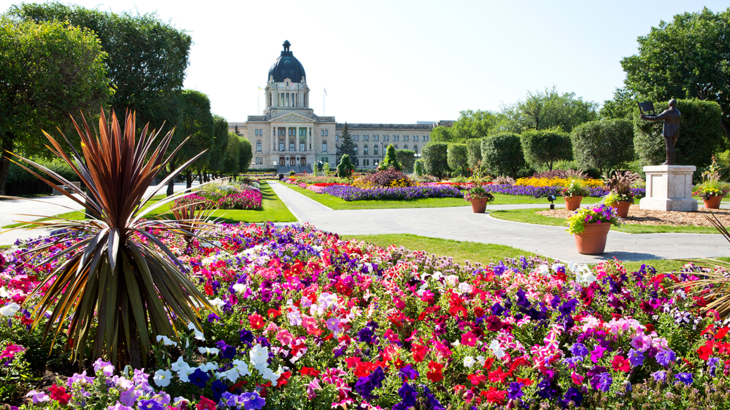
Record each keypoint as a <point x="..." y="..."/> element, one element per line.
<point x="579" y="349"/>
<point x="685" y="378"/>
<point x="636" y="357"/>
<point x="665" y="357"/>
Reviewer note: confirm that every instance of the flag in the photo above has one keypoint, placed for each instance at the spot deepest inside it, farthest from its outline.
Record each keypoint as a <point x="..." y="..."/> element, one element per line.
<point x="260" y="88"/>
<point x="325" y="91"/>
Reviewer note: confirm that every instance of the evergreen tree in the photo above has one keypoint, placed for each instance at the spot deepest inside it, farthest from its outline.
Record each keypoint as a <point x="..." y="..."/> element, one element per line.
<point x="390" y="161"/>
<point x="344" y="170"/>
<point x="347" y="146"/>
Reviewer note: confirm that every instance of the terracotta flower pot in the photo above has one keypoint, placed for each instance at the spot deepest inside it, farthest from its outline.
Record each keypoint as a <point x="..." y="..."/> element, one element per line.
<point x="714" y="202"/>
<point x="478" y="205"/>
<point x="593" y="239"/>
<point x="622" y="208"/>
<point x="572" y="202"/>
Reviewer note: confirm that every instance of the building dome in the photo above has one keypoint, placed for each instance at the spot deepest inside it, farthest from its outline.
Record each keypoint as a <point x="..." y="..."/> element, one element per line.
<point x="287" y="66"/>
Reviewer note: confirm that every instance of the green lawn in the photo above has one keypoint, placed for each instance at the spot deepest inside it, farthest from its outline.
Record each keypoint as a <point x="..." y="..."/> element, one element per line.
<point x="273" y="210"/>
<point x="340" y="204"/>
<point x="530" y="216"/>
<point x="490" y="253"/>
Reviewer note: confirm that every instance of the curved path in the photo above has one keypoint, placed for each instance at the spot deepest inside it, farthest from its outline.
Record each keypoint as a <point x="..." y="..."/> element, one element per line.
<point x="460" y="223"/>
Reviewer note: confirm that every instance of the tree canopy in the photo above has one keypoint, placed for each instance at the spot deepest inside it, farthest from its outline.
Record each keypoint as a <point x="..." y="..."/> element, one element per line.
<point x="603" y="145"/>
<point x="547" y="110"/>
<point x="546" y="147"/>
<point x="347" y="146"/>
<point x="146" y="59"/>
<point x="685" y="58"/>
<point x="48" y="71"/>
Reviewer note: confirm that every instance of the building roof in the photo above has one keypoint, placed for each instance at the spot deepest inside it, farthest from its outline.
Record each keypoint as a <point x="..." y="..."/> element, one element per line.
<point x="287" y="66"/>
<point x="355" y="126"/>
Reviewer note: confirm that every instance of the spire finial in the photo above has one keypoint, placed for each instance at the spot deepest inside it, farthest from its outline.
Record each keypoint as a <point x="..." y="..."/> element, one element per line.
<point x="286" y="45"/>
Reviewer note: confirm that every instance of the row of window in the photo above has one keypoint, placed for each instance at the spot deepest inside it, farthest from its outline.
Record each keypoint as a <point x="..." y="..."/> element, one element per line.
<point x="375" y="149"/>
<point x="387" y="138"/>
<point x="259" y="132"/>
<point x="325" y="133"/>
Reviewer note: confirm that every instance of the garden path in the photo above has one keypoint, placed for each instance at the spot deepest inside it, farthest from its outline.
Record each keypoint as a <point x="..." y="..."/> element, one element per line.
<point x="459" y="223"/>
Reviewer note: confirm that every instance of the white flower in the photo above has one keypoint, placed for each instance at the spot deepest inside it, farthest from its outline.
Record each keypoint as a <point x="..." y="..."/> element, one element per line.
<point x="496" y="349"/>
<point x="183" y="374"/>
<point x="557" y="266"/>
<point x="259" y="355"/>
<point x="543" y="270"/>
<point x="4" y="293"/>
<point x="10" y="309"/>
<point x="469" y="361"/>
<point x="180" y="364"/>
<point x="452" y="280"/>
<point x="206" y="367"/>
<point x="464" y="288"/>
<point x="208" y="350"/>
<point x="162" y="378"/>
<point x="199" y="336"/>
<point x="217" y="302"/>
<point x="239" y="287"/>
<point x="271" y="376"/>
<point x="295" y="318"/>
<point x="481" y="360"/>
<point x="166" y="340"/>
<point x="242" y="368"/>
<point x="231" y="375"/>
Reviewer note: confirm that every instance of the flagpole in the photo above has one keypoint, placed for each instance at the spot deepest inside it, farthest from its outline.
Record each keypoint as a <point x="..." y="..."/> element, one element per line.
<point x="258" y="101"/>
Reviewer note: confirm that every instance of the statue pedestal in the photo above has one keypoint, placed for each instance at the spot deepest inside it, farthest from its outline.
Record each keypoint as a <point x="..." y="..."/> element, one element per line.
<point x="669" y="188"/>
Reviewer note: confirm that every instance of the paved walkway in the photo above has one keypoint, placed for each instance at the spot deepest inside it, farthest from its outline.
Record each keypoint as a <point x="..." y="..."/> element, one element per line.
<point x="11" y="210"/>
<point x="460" y="223"/>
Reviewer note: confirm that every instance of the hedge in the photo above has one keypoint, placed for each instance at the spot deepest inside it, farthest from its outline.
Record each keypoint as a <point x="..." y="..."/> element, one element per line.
<point x="502" y="154"/>
<point x="603" y="145"/>
<point x="546" y="147"/>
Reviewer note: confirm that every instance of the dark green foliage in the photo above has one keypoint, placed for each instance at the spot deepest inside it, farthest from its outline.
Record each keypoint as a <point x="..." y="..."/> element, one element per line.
<point x="390" y="160"/>
<point x="603" y="145"/>
<point x="245" y="154"/>
<point x="48" y="70"/>
<point x="21" y="182"/>
<point x="502" y="154"/>
<point x="685" y="58"/>
<point x="458" y="159"/>
<point x="407" y="158"/>
<point x="442" y="134"/>
<point x="345" y="168"/>
<point x="621" y="107"/>
<point x="230" y="164"/>
<point x="435" y="158"/>
<point x="546" y="147"/>
<point x="347" y="146"/>
<point x="147" y="57"/>
<point x="700" y="135"/>
<point x="474" y="152"/>
<point x="419" y="168"/>
<point x="217" y="157"/>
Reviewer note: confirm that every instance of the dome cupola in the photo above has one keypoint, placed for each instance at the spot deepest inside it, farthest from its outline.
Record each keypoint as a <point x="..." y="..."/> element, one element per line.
<point x="287" y="66"/>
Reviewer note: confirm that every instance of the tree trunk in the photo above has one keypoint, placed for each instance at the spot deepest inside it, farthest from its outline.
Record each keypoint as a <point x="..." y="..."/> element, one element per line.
<point x="171" y="183"/>
<point x="188" y="179"/>
<point x="4" y="169"/>
<point x="200" y="177"/>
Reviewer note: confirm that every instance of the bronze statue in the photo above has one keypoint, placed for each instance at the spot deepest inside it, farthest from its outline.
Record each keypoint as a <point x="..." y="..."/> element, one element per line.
<point x="670" y="130"/>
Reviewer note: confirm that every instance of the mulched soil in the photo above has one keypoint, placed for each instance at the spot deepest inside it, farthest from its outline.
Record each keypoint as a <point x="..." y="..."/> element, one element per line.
<point x="639" y="216"/>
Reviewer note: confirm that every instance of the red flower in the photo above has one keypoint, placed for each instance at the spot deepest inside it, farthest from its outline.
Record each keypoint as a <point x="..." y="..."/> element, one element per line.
<point x="704" y="352"/>
<point x="205" y="404"/>
<point x="256" y="321"/>
<point x="434" y="374"/>
<point x="309" y="371"/>
<point x="59" y="394"/>
<point x="283" y="379"/>
<point x="419" y="353"/>
<point x="495" y="396"/>
<point x="498" y="376"/>
<point x="721" y="333"/>
<point x="477" y="378"/>
<point x="621" y="364"/>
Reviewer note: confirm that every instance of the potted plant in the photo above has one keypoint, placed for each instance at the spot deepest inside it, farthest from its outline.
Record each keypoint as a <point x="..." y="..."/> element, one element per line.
<point x="590" y="227"/>
<point x="573" y="193"/>
<point x="479" y="198"/>
<point x="711" y="189"/>
<point x="620" y="197"/>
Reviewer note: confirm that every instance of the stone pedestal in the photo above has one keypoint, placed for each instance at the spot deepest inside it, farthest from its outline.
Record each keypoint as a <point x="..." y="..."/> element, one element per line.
<point x="669" y="188"/>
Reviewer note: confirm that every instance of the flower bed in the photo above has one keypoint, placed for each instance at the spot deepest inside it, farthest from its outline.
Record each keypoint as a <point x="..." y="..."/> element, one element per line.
<point x="545" y="191"/>
<point x="349" y="193"/>
<point x="551" y="182"/>
<point x="234" y="197"/>
<point x="305" y="320"/>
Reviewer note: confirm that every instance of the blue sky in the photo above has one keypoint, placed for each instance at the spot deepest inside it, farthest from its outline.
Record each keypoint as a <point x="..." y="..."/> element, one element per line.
<point x="404" y="61"/>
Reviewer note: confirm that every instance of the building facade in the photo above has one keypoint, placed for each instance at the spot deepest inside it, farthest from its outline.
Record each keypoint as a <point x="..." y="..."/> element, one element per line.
<point x="289" y="135"/>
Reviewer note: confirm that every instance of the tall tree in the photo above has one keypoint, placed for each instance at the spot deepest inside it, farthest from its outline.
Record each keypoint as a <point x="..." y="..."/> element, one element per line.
<point x="622" y="105"/>
<point x="216" y="161"/>
<point x="48" y="71"/>
<point x="196" y="123"/>
<point x="230" y="165"/>
<point x="474" y="124"/>
<point x="245" y="154"/>
<point x="146" y="60"/>
<point x="347" y="146"/>
<point x="549" y="110"/>
<point x="686" y="58"/>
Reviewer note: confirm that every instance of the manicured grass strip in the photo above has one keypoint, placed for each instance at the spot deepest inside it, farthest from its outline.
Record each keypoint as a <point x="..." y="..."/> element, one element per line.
<point x="340" y="204"/>
<point x="459" y="250"/>
<point x="490" y="253"/>
<point x="273" y="210"/>
<point x="530" y="216"/>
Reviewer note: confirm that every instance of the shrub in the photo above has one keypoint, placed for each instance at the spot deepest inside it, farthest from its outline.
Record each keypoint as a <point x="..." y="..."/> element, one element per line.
<point x="388" y="178"/>
<point x="546" y="147"/>
<point x="22" y="182"/>
<point x="435" y="159"/>
<point x="474" y="153"/>
<point x="407" y="158"/>
<point x="502" y="154"/>
<point x="390" y="160"/>
<point x="345" y="168"/>
<point x="603" y="145"/>
<point x="457" y="158"/>
<point x="419" y="168"/>
<point x="700" y="135"/>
